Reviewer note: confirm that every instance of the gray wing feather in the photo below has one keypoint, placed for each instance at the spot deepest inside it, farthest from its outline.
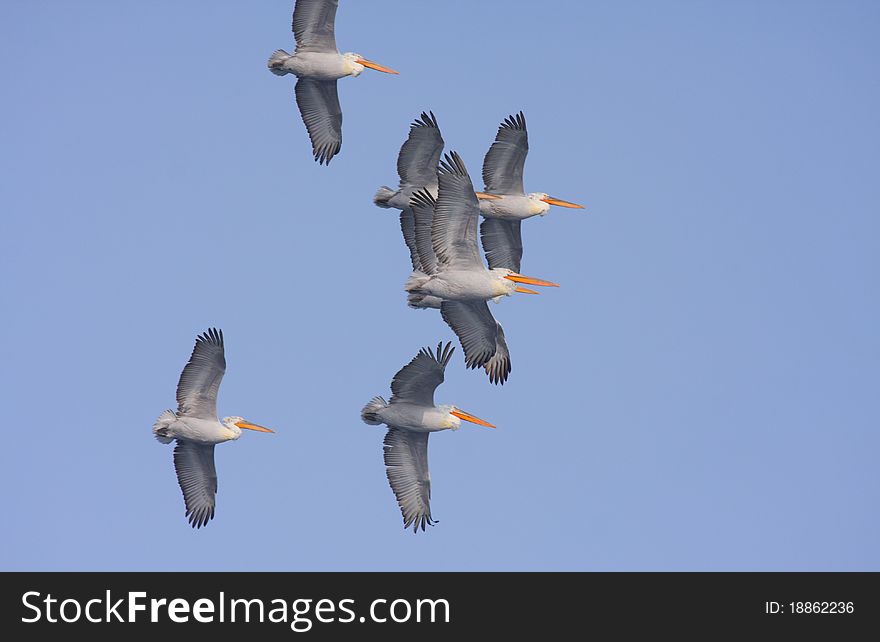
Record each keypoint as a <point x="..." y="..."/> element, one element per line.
<point x="408" y="228"/>
<point x="422" y="205"/>
<point x="504" y="162"/>
<point x="416" y="381"/>
<point x="498" y="367"/>
<point x="314" y="25"/>
<point x="201" y="377"/>
<point x="456" y="215"/>
<point x="420" y="154"/>
<point x="197" y="477"/>
<point x="502" y="243"/>
<point x="475" y="327"/>
<point x="406" y="461"/>
<point x="319" y="107"/>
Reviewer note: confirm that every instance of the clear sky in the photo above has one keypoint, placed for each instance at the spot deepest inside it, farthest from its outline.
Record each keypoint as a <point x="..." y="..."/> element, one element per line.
<point x="701" y="393"/>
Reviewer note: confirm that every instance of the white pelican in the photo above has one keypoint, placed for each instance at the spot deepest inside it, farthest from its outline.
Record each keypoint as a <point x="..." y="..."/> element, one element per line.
<point x="197" y="429"/>
<point x="317" y="64"/>
<point x="503" y="176"/>
<point x="455" y="274"/>
<point x="411" y="416"/>
<point x="417" y="167"/>
<point x="476" y="315"/>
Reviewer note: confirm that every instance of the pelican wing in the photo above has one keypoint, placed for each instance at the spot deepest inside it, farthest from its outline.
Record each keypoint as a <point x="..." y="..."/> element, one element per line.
<point x="416" y="381"/>
<point x="408" y="228"/>
<point x="477" y="330"/>
<point x="197" y="477"/>
<point x="422" y="205"/>
<point x="420" y="154"/>
<point x="498" y="367"/>
<point x="314" y="25"/>
<point x="503" y="165"/>
<point x="406" y="461"/>
<point x="319" y="106"/>
<point x="201" y="377"/>
<point x="502" y="243"/>
<point x="454" y="228"/>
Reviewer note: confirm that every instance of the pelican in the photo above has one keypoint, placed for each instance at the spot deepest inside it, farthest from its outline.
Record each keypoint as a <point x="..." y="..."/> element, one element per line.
<point x="317" y="64"/>
<point x="476" y="315"/>
<point x="503" y="175"/>
<point x="411" y="417"/>
<point x="455" y="273"/>
<point x="417" y="168"/>
<point x="197" y="429"/>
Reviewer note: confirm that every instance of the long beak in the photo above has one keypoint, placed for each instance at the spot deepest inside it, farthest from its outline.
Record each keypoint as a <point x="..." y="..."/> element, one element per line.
<point x="250" y="426"/>
<point x="519" y="278"/>
<point x="483" y="196"/>
<point x="525" y="290"/>
<point x="377" y="66"/>
<point x="561" y="203"/>
<point x="461" y="414"/>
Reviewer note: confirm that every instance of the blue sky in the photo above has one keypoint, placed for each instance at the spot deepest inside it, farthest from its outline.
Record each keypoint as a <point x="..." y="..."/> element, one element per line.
<point x="701" y="392"/>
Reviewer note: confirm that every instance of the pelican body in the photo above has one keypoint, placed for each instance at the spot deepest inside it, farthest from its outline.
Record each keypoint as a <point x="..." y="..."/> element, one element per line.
<point x="318" y="64"/>
<point x="197" y="429"/>
<point x="411" y="416"/>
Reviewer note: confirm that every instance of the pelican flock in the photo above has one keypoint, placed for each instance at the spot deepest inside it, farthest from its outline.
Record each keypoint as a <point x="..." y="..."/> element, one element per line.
<point x="440" y="213"/>
<point x="197" y="429"/>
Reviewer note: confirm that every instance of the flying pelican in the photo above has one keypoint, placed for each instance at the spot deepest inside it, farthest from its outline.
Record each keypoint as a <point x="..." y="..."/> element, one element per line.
<point x="417" y="167"/>
<point x="476" y="315"/>
<point x="317" y="64"/>
<point x="457" y="275"/>
<point x="197" y="429"/>
<point x="411" y="416"/>
<point x="503" y="176"/>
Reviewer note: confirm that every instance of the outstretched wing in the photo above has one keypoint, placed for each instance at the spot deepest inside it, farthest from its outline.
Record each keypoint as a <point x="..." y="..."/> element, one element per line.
<point x="422" y="205"/>
<point x="475" y="327"/>
<point x="420" y="154"/>
<point x="504" y="162"/>
<point x="314" y="25"/>
<point x="406" y="461"/>
<point x="197" y="477"/>
<point x="502" y="243"/>
<point x="454" y="228"/>
<point x="201" y="377"/>
<point x="319" y="107"/>
<point x="416" y="381"/>
<point x="498" y="367"/>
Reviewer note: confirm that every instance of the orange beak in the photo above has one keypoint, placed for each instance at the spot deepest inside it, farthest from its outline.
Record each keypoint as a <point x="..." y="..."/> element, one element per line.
<point x="525" y="290"/>
<point x="519" y="278"/>
<point x="461" y="414"/>
<point x="376" y="66"/>
<point x="483" y="196"/>
<point x="250" y="426"/>
<point x="561" y="203"/>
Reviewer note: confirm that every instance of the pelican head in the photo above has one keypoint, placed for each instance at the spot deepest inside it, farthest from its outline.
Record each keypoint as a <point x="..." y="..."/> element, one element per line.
<point x="540" y="203"/>
<point x="355" y="63"/>
<point x="507" y="282"/>
<point x="235" y="424"/>
<point x="453" y="416"/>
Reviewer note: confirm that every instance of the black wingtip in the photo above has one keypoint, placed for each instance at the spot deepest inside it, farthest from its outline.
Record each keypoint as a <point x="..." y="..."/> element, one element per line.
<point x="212" y="336"/>
<point x="422" y="198"/>
<point x="514" y="121"/>
<point x="453" y="164"/>
<point x="425" y="119"/>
